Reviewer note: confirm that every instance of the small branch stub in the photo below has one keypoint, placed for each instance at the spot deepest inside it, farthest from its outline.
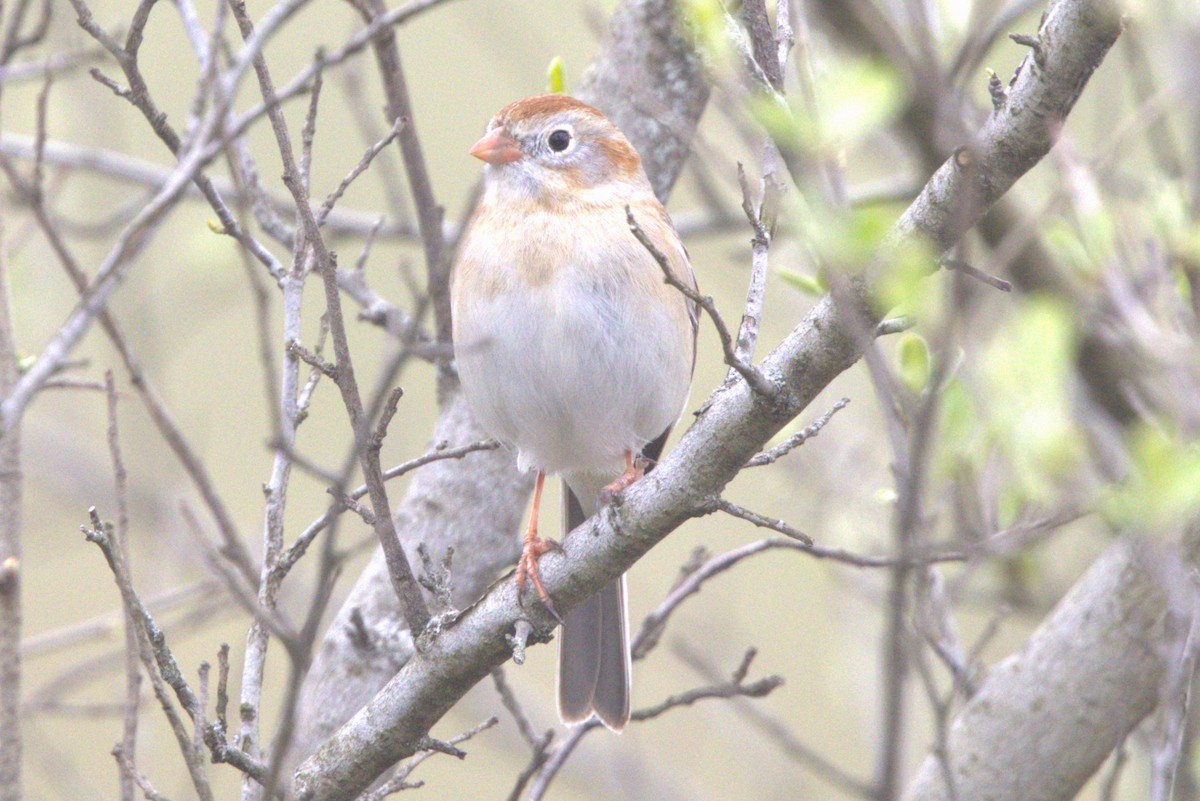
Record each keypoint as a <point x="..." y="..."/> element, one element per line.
<point x="519" y="639"/>
<point x="966" y="269"/>
<point x="10" y="573"/>
<point x="1033" y="43"/>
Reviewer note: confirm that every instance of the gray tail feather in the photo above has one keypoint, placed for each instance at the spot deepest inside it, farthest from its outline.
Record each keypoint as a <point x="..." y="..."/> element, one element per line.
<point x="593" y="649"/>
<point x="594" y="674"/>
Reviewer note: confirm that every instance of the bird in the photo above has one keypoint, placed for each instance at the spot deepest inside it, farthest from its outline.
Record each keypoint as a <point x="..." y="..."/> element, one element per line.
<point x="571" y="347"/>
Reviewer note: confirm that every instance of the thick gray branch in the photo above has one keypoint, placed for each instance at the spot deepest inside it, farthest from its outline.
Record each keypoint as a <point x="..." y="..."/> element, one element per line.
<point x="649" y="80"/>
<point x="1047" y="716"/>
<point x="1077" y="34"/>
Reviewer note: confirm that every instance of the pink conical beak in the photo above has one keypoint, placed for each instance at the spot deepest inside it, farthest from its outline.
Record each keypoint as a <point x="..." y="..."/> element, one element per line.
<point x="496" y="148"/>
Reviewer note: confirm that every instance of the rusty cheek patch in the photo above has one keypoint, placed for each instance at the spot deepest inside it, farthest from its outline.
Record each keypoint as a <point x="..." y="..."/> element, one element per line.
<point x="621" y="155"/>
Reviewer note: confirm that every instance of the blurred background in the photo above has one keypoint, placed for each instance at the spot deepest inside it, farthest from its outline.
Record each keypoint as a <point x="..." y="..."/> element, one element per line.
<point x="1012" y="450"/>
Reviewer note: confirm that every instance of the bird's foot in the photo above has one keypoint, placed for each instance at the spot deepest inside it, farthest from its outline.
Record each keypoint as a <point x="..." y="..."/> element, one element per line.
<point x="527" y="568"/>
<point x="635" y="469"/>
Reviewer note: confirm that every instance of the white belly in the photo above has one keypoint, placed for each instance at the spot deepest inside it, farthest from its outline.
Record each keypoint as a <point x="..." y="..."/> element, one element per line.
<point x="571" y="374"/>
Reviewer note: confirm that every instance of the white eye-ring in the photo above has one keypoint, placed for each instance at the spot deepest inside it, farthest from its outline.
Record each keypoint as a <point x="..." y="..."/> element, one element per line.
<point x="561" y="139"/>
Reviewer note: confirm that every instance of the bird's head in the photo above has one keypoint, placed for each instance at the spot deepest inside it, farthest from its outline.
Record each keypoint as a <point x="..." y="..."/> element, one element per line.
<point x="552" y="147"/>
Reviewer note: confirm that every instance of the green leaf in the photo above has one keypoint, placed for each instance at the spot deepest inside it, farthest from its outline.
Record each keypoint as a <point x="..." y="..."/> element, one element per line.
<point x="912" y="361"/>
<point x="555" y="83"/>
<point x="1064" y="241"/>
<point x="959" y="421"/>
<point x="1170" y="216"/>
<point x="808" y="284"/>
<point x="791" y="127"/>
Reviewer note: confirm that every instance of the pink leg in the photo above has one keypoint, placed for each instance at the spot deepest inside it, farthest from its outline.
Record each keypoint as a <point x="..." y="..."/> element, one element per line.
<point x="534" y="547"/>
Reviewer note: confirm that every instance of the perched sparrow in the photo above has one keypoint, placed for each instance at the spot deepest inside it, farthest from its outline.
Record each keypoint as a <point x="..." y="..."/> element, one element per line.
<point x="570" y="346"/>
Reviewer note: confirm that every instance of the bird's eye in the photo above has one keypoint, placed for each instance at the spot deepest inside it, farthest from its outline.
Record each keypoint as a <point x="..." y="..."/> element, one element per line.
<point x="559" y="139"/>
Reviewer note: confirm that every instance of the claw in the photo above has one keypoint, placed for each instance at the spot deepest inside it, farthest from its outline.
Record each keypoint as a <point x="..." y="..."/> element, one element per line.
<point x="527" y="568"/>
<point x="635" y="469"/>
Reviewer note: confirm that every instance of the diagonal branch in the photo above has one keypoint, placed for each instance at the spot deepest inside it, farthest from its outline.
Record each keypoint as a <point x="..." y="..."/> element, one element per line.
<point x="1077" y="35"/>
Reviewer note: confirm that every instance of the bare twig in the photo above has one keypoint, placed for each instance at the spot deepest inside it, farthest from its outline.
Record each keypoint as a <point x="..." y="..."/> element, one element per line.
<point x="298" y="548"/>
<point x="514" y="708"/>
<point x="404" y="581"/>
<point x="760" y="246"/>
<point x="130" y="773"/>
<point x="358" y="170"/>
<point x="103" y="625"/>
<point x="399" y="781"/>
<point x="1112" y="777"/>
<point x="734" y="687"/>
<point x="753" y="376"/>
<point x="966" y="269"/>
<point x="1175" y="697"/>
<point x="777" y="452"/>
<point x="779" y="734"/>
<point x="983" y="36"/>
<point x="539" y="746"/>
<point x="894" y="325"/>
<point x="55" y="65"/>
<point x="804" y="543"/>
<point x="223" y="687"/>
<point x="100" y="533"/>
<point x="429" y="213"/>
<point x="156" y="658"/>
<point x="308" y="133"/>
<point x="287" y="415"/>
<point x="541" y="753"/>
<point x="655" y="623"/>
<point x="201" y="720"/>
<point x="941" y="712"/>
<point x="10" y="554"/>
<point x="133" y="676"/>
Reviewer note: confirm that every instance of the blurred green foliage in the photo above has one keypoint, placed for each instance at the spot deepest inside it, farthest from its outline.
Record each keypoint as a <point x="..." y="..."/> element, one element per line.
<point x="1163" y="486"/>
<point x="1027" y="370"/>
<point x="905" y="287"/>
<point x="857" y="97"/>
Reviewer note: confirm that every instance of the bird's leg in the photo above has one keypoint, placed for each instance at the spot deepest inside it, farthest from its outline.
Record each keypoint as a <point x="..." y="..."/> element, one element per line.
<point x="634" y="470"/>
<point x="534" y="546"/>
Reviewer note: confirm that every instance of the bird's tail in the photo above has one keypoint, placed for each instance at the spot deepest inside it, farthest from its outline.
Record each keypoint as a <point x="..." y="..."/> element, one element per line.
<point x="594" y="673"/>
<point x="593" y="648"/>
